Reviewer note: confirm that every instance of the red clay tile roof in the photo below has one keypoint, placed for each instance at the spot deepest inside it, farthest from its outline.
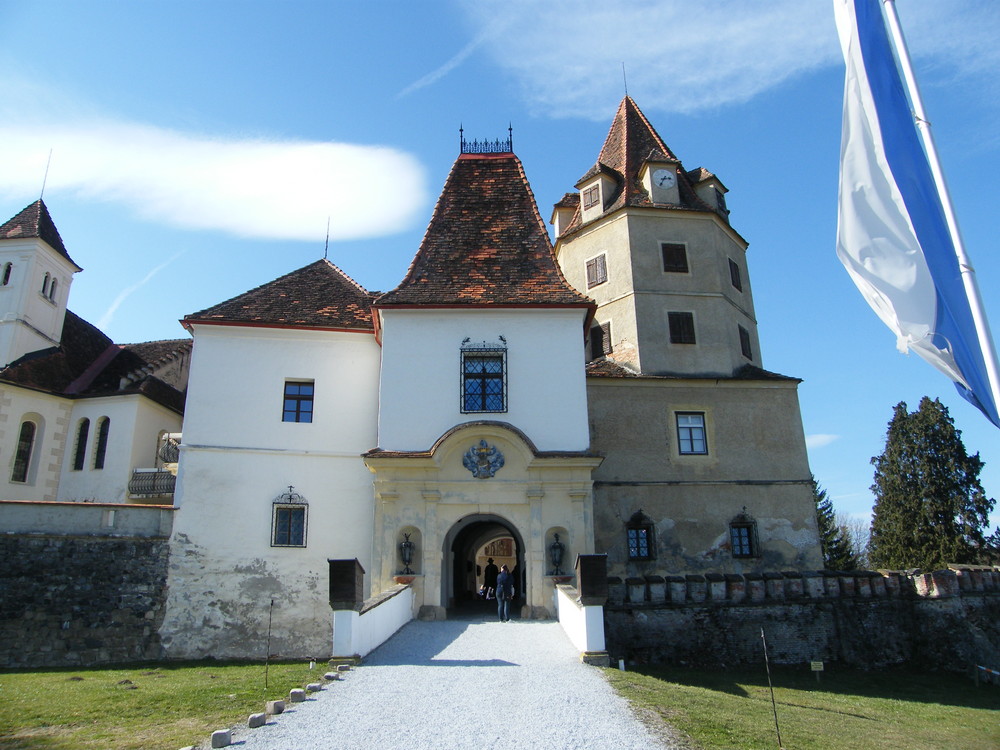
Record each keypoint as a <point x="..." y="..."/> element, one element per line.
<point x="631" y="142"/>
<point x="88" y="363"/>
<point x="486" y="244"/>
<point x="319" y="295"/>
<point x="35" y="221"/>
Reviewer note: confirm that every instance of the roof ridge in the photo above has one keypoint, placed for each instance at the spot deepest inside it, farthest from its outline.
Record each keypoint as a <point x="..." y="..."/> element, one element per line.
<point x="35" y="221"/>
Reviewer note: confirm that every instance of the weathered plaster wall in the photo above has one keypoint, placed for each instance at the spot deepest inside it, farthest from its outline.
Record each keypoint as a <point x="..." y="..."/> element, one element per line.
<point x="80" y="600"/>
<point x="946" y="620"/>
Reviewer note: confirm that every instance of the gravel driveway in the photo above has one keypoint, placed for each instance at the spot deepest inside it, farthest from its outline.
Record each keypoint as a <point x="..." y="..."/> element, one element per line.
<point x="460" y="684"/>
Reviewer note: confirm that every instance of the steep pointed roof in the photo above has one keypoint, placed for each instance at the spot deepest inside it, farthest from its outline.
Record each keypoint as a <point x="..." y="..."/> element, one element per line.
<point x="319" y="295"/>
<point x="35" y="221"/>
<point x="631" y="142"/>
<point x="486" y="244"/>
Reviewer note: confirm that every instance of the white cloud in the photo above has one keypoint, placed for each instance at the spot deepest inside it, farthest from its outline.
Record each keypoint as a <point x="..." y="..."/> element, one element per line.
<point x="820" y="440"/>
<point x="680" y="56"/>
<point x="244" y="187"/>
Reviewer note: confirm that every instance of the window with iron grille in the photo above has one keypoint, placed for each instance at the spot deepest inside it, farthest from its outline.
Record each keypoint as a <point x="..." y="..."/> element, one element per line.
<point x="691" y="437"/>
<point x="288" y="527"/>
<point x="22" y="454"/>
<point x="745" y="343"/>
<point x="484" y="386"/>
<point x="298" y="401"/>
<point x="591" y="196"/>
<point x="743" y="535"/>
<point x="101" y="449"/>
<point x="597" y="271"/>
<point x="82" y="434"/>
<point x="681" y="327"/>
<point x="735" y="276"/>
<point x="640" y="538"/>
<point x="675" y="258"/>
<point x="600" y="340"/>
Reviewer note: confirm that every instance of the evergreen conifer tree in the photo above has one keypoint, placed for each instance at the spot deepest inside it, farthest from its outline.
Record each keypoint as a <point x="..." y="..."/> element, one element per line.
<point x="837" y="552"/>
<point x="930" y="508"/>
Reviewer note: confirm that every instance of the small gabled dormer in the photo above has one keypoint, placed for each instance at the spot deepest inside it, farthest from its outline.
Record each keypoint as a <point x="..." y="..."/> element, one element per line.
<point x="597" y="188"/>
<point x="659" y="180"/>
<point x="564" y="211"/>
<point x="710" y="189"/>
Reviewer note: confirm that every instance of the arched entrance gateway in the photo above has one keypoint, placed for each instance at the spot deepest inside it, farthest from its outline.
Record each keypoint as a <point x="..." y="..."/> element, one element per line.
<point x="481" y="484"/>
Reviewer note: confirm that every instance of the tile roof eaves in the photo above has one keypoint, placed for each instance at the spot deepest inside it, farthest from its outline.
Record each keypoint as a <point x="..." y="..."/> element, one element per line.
<point x="189" y="322"/>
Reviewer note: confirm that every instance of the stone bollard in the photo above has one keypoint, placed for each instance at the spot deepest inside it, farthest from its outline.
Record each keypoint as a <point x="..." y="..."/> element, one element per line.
<point x="297" y="695"/>
<point x="343" y="667"/>
<point x="222" y="738"/>
<point x="275" y="707"/>
<point x="331" y="676"/>
<point x="256" y="720"/>
<point x="313" y="687"/>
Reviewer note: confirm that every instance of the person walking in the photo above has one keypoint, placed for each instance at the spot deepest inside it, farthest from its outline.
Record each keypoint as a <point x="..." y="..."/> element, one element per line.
<point x="505" y="592"/>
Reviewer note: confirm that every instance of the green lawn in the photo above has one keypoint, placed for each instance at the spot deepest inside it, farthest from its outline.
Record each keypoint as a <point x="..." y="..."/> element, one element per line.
<point x="845" y="710"/>
<point x="147" y="707"/>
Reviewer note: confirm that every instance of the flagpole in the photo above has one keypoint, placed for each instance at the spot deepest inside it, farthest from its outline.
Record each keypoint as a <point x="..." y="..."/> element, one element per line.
<point x="964" y="263"/>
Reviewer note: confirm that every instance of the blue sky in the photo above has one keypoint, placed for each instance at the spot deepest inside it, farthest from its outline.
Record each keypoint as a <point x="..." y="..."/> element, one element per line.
<point x="198" y="149"/>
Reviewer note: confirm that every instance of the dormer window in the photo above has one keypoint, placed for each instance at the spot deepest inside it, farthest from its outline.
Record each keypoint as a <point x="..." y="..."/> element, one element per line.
<point x="591" y="196"/>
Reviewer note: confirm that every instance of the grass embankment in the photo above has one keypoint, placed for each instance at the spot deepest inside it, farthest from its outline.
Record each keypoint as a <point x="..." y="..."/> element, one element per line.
<point x="845" y="710"/>
<point x="147" y="707"/>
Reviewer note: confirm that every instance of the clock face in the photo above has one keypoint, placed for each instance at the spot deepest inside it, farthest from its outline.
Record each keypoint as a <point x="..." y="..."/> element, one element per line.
<point x="664" y="178"/>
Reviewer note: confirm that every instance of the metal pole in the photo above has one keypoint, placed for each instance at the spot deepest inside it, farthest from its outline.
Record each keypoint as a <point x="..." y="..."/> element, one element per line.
<point x="774" y="706"/>
<point x="267" y="656"/>
<point x="964" y="263"/>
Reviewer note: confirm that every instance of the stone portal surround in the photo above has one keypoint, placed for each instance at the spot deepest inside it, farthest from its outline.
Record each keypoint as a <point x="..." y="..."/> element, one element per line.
<point x="734" y="588"/>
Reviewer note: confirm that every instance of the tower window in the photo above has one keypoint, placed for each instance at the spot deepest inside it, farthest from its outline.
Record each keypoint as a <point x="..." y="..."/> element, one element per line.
<point x="681" y="327"/>
<point x="101" y="451"/>
<point x="734" y="275"/>
<point x="22" y="455"/>
<point x="743" y="536"/>
<point x="45" y="285"/>
<point x="483" y="380"/>
<point x="298" y="401"/>
<point x="691" y="438"/>
<point x="52" y="290"/>
<point x="79" y="457"/>
<point x="600" y="340"/>
<point x="591" y="196"/>
<point x="745" y="343"/>
<point x="597" y="271"/>
<point x="674" y="257"/>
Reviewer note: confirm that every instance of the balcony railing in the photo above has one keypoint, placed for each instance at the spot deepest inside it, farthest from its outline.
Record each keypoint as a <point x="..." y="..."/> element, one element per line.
<point x="155" y="482"/>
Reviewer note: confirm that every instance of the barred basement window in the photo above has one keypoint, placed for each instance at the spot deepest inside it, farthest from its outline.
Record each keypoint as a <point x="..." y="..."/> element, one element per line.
<point x="289" y="516"/>
<point x="639" y="535"/>
<point x="674" y="257"/>
<point x="743" y="536"/>
<point x="298" y="401"/>
<point x="745" y="343"/>
<point x="681" y="327"/>
<point x="735" y="276"/>
<point x="484" y="378"/>
<point x="597" y="271"/>
<point x="600" y="340"/>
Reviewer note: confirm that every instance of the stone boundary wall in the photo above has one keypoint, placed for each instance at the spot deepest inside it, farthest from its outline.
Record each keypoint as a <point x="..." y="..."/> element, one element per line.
<point x="80" y="600"/>
<point x="946" y="619"/>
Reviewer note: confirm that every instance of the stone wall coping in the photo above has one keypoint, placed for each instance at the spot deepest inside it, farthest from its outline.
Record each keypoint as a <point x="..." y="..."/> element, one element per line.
<point x="383" y="596"/>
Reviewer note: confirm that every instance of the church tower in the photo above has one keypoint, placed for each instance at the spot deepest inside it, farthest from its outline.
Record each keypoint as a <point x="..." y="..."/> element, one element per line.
<point x="652" y="244"/>
<point x="35" y="276"/>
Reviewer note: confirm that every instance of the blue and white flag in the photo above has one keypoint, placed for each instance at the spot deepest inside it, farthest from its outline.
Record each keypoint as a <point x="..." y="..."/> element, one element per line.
<point x="892" y="233"/>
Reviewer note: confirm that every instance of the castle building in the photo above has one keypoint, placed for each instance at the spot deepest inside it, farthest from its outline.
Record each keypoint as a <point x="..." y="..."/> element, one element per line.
<point x="509" y="399"/>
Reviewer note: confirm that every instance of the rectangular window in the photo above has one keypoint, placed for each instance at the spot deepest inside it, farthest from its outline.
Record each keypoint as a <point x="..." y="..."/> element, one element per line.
<point x="675" y="259"/>
<point x="639" y="547"/>
<point x="741" y="537"/>
<point x="720" y="201"/>
<point x="691" y="438"/>
<point x="591" y="196"/>
<point x="600" y="340"/>
<point x="288" y="526"/>
<point x="483" y="386"/>
<point x="734" y="275"/>
<point x="745" y="343"/>
<point x="298" y="402"/>
<point x="681" y="327"/>
<point x="597" y="271"/>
